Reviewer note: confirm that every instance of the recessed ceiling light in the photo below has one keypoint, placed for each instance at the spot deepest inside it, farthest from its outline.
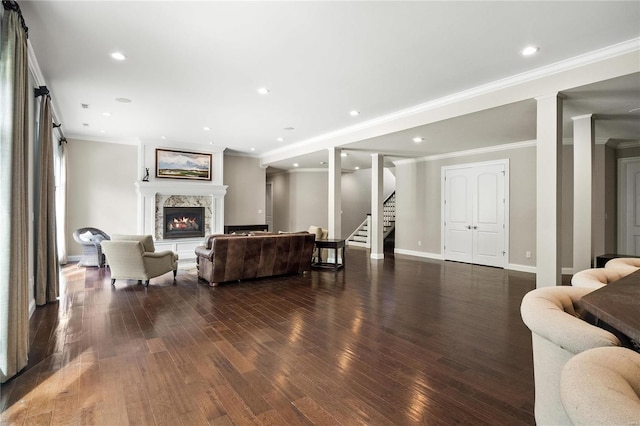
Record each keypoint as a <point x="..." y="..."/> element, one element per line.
<point x="106" y="114"/>
<point x="288" y="128"/>
<point x="323" y="162"/>
<point x="206" y="129"/>
<point x="296" y="165"/>
<point x="118" y="56"/>
<point x="280" y="139"/>
<point x="529" y="50"/>
<point x="357" y="168"/>
<point x="263" y="90"/>
<point x="354" y="113"/>
<point x="163" y="137"/>
<point x="123" y="100"/>
<point x="418" y="139"/>
<point x="103" y="131"/>
<point x="210" y="143"/>
<point x="253" y="149"/>
<point x="344" y="154"/>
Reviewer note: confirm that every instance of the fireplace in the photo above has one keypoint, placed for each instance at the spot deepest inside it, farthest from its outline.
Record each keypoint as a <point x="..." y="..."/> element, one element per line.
<point x="183" y="222"/>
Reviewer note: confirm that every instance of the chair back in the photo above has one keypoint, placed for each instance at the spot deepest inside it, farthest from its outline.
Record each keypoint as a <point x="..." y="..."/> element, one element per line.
<point x="124" y="258"/>
<point x="145" y="240"/>
<point x="602" y="386"/>
<point x="596" y="277"/>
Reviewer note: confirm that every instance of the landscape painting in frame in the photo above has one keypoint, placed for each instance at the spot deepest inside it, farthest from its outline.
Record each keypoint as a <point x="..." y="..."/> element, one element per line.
<point x="182" y="165"/>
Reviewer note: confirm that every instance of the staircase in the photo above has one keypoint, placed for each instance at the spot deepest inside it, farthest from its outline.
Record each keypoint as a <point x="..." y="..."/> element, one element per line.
<point x="361" y="237"/>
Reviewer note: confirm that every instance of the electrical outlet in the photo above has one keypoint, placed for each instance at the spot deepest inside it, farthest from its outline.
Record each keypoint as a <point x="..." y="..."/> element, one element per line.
<point x="528" y="255"/>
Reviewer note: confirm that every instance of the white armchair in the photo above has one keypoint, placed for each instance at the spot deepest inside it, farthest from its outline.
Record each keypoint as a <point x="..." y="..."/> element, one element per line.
<point x="134" y="257"/>
<point x="558" y="333"/>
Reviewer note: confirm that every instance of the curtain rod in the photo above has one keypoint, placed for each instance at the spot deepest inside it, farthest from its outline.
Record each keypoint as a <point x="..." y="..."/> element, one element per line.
<point x="13" y="5"/>
<point x="44" y="91"/>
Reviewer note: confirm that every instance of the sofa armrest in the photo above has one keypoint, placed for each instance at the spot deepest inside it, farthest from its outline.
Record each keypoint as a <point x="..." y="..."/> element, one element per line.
<point x="202" y="251"/>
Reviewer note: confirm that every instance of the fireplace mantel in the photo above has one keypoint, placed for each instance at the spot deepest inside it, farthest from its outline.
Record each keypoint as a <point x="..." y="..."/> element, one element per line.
<point x="147" y="192"/>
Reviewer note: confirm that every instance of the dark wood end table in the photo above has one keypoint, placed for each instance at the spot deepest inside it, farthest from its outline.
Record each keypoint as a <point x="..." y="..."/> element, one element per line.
<point x="331" y="245"/>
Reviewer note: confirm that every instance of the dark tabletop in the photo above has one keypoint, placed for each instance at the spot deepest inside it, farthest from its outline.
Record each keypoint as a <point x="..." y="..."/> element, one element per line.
<point x="618" y="304"/>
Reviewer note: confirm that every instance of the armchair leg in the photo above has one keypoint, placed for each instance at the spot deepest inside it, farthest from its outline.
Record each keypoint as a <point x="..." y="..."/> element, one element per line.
<point x="175" y="272"/>
<point x="146" y="283"/>
<point x="113" y="281"/>
<point x="139" y="282"/>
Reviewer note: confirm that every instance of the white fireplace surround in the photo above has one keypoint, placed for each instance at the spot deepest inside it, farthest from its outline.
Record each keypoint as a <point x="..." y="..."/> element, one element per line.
<point x="147" y="192"/>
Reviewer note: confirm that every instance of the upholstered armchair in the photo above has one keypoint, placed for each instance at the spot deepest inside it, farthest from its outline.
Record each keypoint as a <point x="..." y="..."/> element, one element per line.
<point x="91" y="239"/>
<point x="134" y="257"/>
<point x="321" y="234"/>
<point x="558" y="333"/>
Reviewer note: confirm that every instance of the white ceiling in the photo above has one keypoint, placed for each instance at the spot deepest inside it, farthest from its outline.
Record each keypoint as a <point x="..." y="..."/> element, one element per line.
<point x="196" y="64"/>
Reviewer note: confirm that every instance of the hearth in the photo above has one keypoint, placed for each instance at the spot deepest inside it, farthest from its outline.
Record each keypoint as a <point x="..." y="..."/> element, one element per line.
<point x="183" y="222"/>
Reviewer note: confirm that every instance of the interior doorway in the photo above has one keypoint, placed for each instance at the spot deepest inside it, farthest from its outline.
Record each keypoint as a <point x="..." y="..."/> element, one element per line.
<point x="629" y="206"/>
<point x="475" y="213"/>
<point x="268" y="208"/>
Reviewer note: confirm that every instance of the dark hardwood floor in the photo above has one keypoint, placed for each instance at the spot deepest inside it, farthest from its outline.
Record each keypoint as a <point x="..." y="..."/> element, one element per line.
<point x="400" y="341"/>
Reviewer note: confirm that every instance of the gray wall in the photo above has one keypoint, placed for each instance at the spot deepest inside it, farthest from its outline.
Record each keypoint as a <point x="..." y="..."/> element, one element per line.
<point x="244" y="203"/>
<point x="418" y="201"/>
<point x="100" y="188"/>
<point x="300" y="199"/>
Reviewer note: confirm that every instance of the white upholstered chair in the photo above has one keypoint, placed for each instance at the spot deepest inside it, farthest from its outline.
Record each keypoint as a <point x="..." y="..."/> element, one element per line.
<point x="602" y="387"/>
<point x="597" y="277"/>
<point x="321" y="234"/>
<point x="134" y="257"/>
<point x="628" y="264"/>
<point x="558" y="333"/>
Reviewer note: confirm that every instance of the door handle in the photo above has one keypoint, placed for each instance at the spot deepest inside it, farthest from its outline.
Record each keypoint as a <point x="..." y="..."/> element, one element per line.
<point x="468" y="226"/>
<point x="475" y="227"/>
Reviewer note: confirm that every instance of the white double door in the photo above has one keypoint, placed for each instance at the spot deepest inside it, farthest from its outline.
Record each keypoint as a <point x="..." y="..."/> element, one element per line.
<point x="475" y="208"/>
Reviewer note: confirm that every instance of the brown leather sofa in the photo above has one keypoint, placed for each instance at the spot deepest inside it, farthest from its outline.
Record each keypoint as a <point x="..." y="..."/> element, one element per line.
<point x="237" y="257"/>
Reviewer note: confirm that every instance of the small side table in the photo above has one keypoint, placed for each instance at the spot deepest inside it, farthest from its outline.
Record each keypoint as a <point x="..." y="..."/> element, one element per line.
<point x="331" y="245"/>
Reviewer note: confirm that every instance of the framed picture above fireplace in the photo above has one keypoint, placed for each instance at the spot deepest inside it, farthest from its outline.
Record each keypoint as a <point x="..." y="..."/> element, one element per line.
<point x="182" y="165"/>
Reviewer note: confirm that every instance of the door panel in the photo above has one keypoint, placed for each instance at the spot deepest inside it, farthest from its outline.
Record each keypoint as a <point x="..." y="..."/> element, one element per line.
<point x="488" y="225"/>
<point x="458" y="216"/>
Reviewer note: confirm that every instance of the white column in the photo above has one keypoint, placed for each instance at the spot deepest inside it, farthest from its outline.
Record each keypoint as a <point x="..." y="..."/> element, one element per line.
<point x="335" y="193"/>
<point x="583" y="160"/>
<point x="376" y="231"/>
<point x="549" y="190"/>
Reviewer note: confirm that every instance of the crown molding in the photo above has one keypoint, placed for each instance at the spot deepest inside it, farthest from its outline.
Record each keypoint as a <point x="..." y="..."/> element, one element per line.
<point x="121" y="141"/>
<point x="468" y="152"/>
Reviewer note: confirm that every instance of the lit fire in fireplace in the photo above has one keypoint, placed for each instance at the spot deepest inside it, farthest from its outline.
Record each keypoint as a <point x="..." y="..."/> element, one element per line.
<point x="183" y="224"/>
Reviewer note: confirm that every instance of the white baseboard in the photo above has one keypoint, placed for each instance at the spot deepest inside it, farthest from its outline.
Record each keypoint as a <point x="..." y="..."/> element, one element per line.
<point x="377" y="256"/>
<point x="436" y="256"/>
<point x="521" y="268"/>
